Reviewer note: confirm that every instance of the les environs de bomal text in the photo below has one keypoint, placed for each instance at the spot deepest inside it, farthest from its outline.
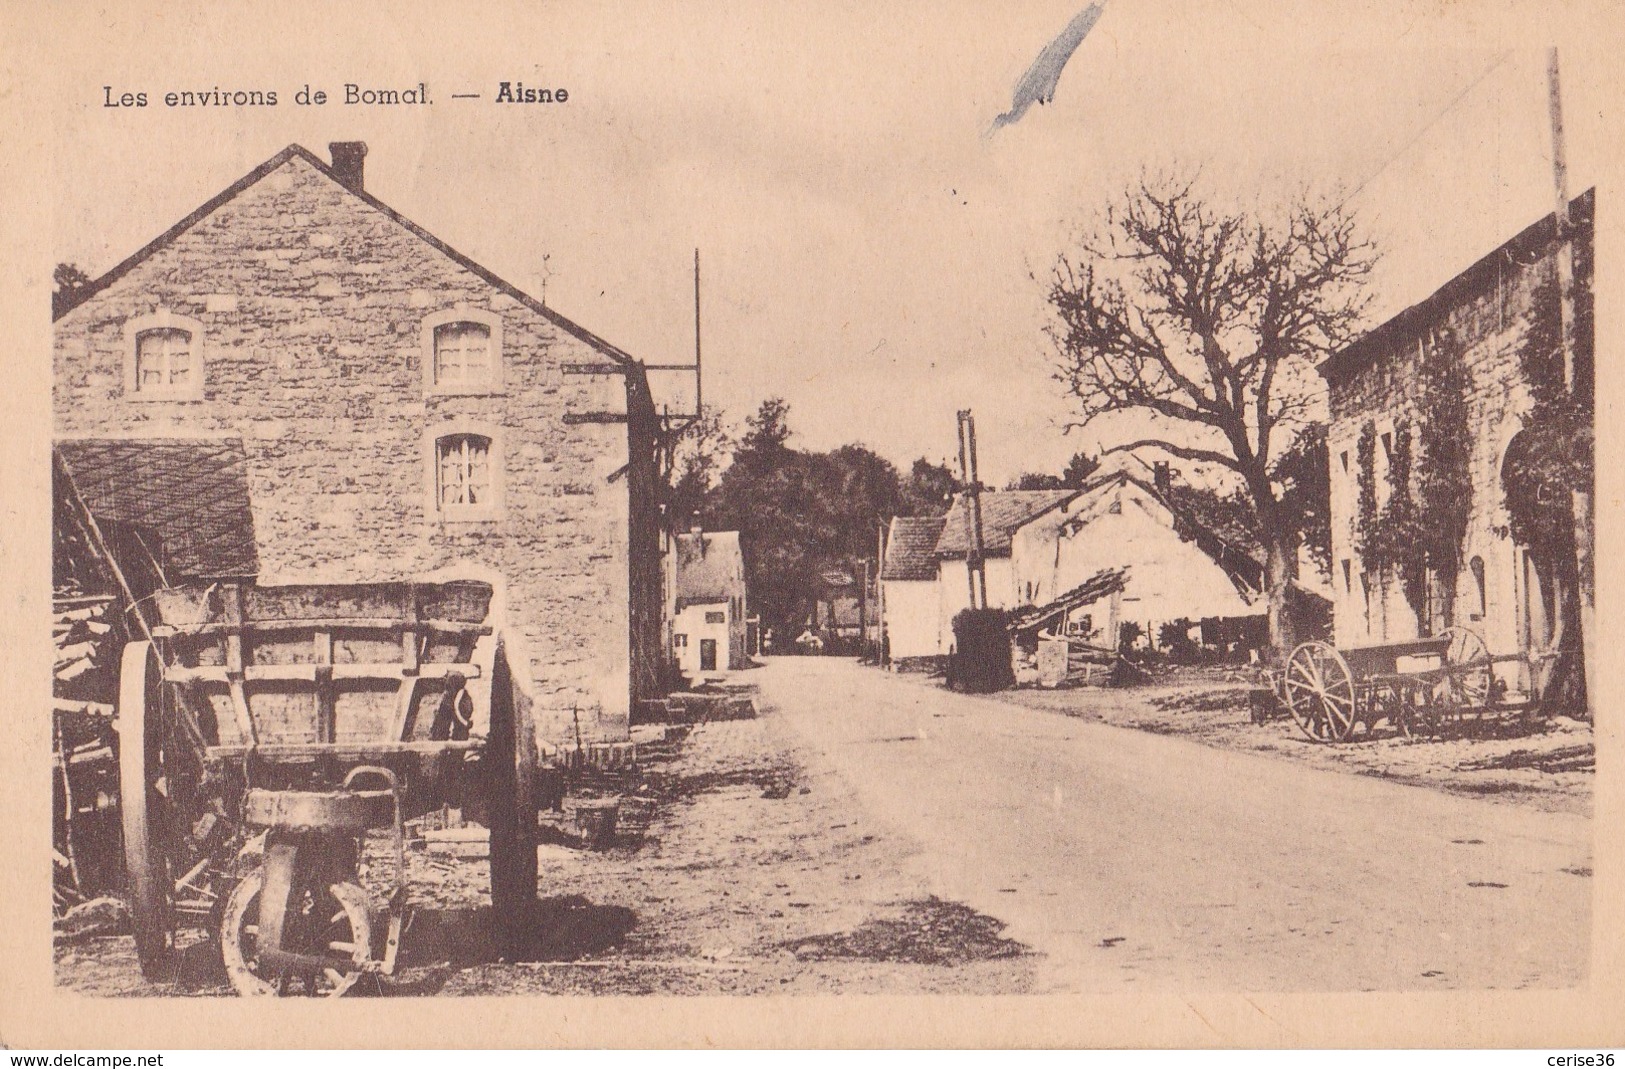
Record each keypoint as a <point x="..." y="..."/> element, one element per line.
<point x="307" y="95"/>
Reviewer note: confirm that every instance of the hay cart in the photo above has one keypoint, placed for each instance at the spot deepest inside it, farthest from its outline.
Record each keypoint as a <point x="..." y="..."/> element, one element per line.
<point x="265" y="731"/>
<point x="1419" y="686"/>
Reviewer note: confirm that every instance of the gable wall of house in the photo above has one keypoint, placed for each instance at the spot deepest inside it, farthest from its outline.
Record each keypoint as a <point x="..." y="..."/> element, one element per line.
<point x="912" y="629"/>
<point x="1121" y="525"/>
<point x="1490" y="325"/>
<point x="311" y="304"/>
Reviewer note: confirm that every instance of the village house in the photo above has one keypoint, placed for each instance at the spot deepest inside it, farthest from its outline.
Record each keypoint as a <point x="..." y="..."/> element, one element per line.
<point x="908" y="578"/>
<point x="709" y="623"/>
<point x="395" y="410"/>
<point x="1039" y="545"/>
<point x="1481" y="318"/>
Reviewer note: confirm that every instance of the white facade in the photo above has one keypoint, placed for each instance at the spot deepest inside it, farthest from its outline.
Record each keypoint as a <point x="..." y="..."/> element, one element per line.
<point x="700" y="639"/>
<point x="1123" y="524"/>
<point x="911" y="618"/>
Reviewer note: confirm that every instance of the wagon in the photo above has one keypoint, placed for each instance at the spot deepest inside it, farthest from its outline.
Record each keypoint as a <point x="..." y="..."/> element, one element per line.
<point x="1418" y="686"/>
<point x="265" y="731"/>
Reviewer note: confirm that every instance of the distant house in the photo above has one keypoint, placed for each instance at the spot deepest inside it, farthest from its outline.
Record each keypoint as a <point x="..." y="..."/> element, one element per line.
<point x="1004" y="512"/>
<point x="1038" y="545"/>
<point x="1484" y="315"/>
<point x="909" y="583"/>
<point x="1178" y="567"/>
<point x="708" y="632"/>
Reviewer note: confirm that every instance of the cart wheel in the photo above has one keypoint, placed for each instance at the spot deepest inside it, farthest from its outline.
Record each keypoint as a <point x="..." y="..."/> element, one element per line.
<point x="142" y="804"/>
<point x="333" y="924"/>
<point x="509" y="779"/>
<point x="1320" y="692"/>
<point x="1469" y="687"/>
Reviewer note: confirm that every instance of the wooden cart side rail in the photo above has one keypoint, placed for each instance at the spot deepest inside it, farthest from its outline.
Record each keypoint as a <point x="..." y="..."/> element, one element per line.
<point x="326" y="623"/>
<point x="309" y="672"/>
<point x="346" y="751"/>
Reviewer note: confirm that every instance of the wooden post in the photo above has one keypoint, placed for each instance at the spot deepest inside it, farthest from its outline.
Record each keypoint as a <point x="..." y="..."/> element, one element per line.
<point x="975" y="569"/>
<point x="880" y="594"/>
<point x="1580" y="500"/>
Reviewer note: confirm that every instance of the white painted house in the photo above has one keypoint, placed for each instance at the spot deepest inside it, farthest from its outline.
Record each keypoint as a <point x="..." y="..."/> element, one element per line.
<point x="908" y="579"/>
<point x="1178" y="569"/>
<point x="708" y="629"/>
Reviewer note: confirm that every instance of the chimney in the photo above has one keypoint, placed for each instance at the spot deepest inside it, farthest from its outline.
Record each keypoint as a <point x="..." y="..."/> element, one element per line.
<point x="1162" y="476"/>
<point x="349" y="163"/>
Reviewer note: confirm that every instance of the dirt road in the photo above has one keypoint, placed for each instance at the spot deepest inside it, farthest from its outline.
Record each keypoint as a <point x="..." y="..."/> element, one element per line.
<point x="1137" y="861"/>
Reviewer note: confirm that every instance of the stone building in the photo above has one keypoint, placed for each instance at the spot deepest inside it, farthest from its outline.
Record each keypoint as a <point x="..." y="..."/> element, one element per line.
<point x="403" y="414"/>
<point x="1484" y="314"/>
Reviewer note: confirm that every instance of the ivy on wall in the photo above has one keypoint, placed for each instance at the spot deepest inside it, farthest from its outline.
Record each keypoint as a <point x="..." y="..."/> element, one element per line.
<point x="1419" y="529"/>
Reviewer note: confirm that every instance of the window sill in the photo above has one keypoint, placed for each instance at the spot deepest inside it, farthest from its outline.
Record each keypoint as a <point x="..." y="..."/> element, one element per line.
<point x="485" y="389"/>
<point x="454" y="517"/>
<point x="163" y="395"/>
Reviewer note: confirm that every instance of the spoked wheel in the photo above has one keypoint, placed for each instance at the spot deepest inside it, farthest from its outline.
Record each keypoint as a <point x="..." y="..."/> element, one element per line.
<point x="142" y="803"/>
<point x="508" y="777"/>
<point x="333" y="923"/>
<point x="1467" y="664"/>
<point x="1320" y="692"/>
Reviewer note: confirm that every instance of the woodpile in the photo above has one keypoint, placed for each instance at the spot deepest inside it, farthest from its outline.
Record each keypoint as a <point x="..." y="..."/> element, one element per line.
<point x="88" y="858"/>
<point x="80" y="628"/>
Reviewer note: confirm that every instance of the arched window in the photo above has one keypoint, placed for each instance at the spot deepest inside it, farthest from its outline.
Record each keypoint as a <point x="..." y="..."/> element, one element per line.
<point x="464" y="477"/>
<point x="462" y="352"/>
<point x="163" y="358"/>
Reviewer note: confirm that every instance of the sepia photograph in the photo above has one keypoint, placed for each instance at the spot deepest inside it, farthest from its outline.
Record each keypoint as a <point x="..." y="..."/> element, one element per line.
<point x="1087" y="501"/>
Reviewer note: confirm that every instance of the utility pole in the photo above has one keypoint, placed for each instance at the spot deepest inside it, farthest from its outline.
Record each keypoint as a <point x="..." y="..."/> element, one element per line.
<point x="1580" y="499"/>
<point x="880" y="594"/>
<point x="699" y="412"/>
<point x="975" y="569"/>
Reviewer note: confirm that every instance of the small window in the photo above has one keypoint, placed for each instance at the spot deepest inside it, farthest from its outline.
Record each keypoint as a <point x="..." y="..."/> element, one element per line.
<point x="163" y="358"/>
<point x="1348" y="581"/>
<point x="679" y="642"/>
<point x="1344" y="456"/>
<point x="1476" y="565"/>
<point x="716" y="617"/>
<point x="462" y="354"/>
<point x="464" y="473"/>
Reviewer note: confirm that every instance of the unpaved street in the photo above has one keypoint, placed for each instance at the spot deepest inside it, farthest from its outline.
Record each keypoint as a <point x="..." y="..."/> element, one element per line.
<point x="1136" y="861"/>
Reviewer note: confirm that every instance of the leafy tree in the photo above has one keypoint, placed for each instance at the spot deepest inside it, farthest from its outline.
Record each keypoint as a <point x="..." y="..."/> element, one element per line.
<point x="1203" y="325"/>
<point x="1033" y="480"/>
<point x="1079" y="470"/>
<point x="68" y="281"/>
<point x="800" y="514"/>
<point x="1304" y="473"/>
<point x="928" y="489"/>
<point x="697" y="459"/>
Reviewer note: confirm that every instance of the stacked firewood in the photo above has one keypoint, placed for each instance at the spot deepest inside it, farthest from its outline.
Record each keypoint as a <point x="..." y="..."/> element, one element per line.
<point x="84" y="746"/>
<point x="79" y="627"/>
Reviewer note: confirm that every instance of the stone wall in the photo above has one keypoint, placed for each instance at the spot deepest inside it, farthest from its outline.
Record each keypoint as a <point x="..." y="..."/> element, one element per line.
<point x="1488" y="309"/>
<point x="311" y="303"/>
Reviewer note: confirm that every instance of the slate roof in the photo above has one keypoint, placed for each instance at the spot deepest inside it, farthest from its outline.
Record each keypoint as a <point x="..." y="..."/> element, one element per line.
<point x="230" y="192"/>
<point x="910" y="547"/>
<point x="191" y="493"/>
<point x="1003" y="513"/>
<point x="708" y="567"/>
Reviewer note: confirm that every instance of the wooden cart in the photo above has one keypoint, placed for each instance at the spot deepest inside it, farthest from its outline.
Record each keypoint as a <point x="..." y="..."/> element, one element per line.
<point x="266" y="730"/>
<point x="1419" y="686"/>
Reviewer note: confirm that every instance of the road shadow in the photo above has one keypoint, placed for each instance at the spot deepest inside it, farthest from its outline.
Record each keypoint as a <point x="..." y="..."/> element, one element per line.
<point x="441" y="942"/>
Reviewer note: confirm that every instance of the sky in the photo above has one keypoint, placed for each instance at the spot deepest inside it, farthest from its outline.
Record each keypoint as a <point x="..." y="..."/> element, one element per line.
<point x="870" y="251"/>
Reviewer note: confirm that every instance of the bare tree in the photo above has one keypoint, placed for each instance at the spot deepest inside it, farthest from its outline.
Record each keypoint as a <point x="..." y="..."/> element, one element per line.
<point x="1200" y="327"/>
